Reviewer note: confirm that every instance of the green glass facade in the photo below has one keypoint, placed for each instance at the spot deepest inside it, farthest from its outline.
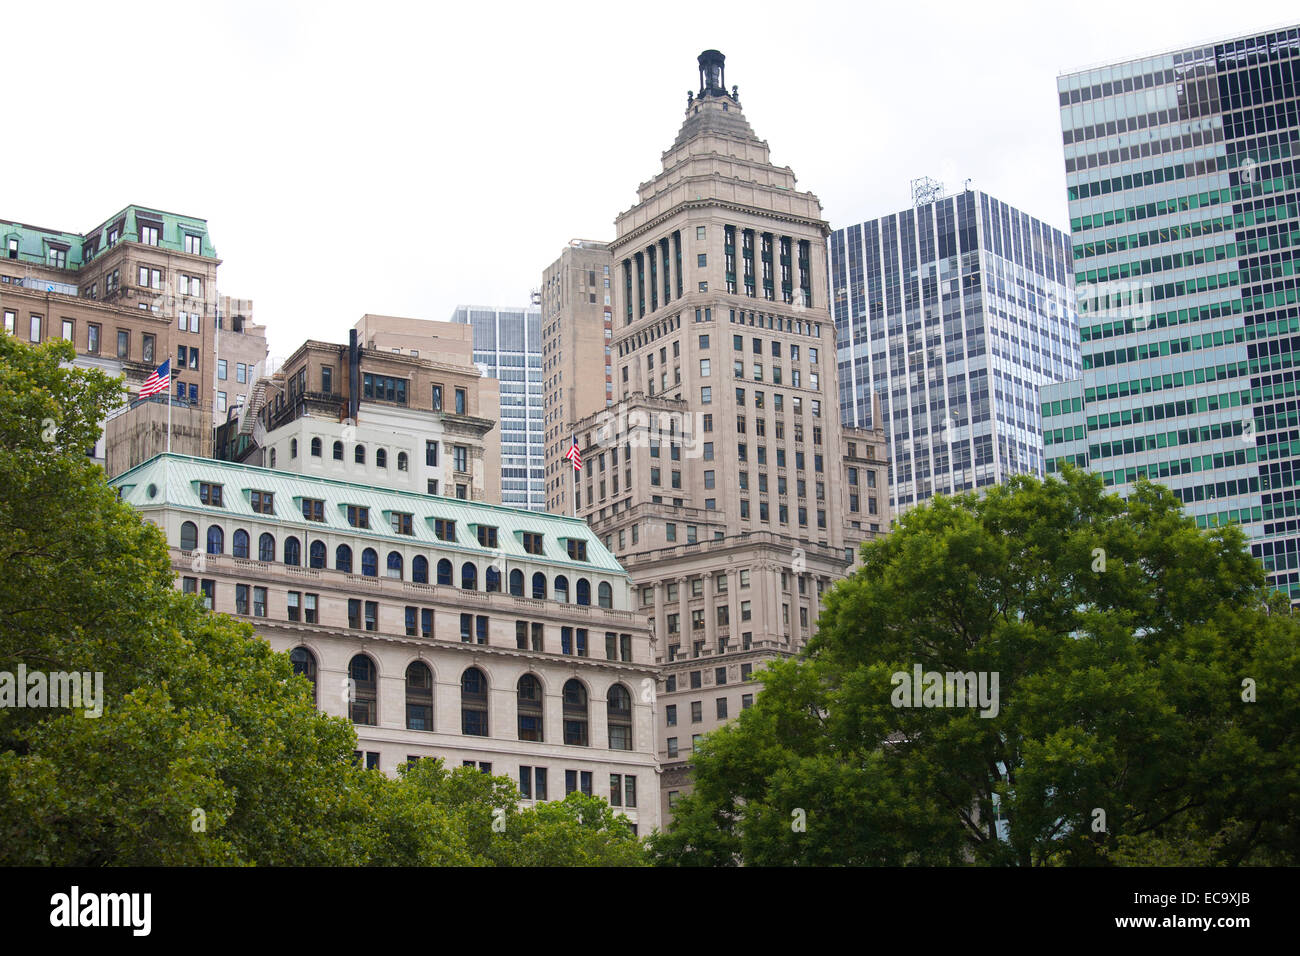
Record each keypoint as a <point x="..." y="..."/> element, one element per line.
<point x="1185" y="220"/>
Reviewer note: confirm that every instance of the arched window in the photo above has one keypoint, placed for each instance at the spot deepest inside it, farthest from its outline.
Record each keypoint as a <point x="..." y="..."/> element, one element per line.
<point x="469" y="576"/>
<point x="292" y="551"/>
<point x="363" y="691"/>
<point x="239" y="543"/>
<point x="539" y="586"/>
<point x="604" y="594"/>
<point x="359" y="454"/>
<point x="266" y="547"/>
<point x="338" y="451"/>
<point x="492" y="579"/>
<point x="530" y="708"/>
<point x="517" y="583"/>
<point x="293" y="448"/>
<point x="317" y="555"/>
<point x="420" y="569"/>
<point x="370" y="563"/>
<point x="304" y="663"/>
<point x="272" y="457"/>
<point x="562" y="588"/>
<point x="216" y="540"/>
<point x="444" y="572"/>
<point x="402" y="461"/>
<point x="575" y="713"/>
<point x="584" y="591"/>
<point x="381" y="458"/>
<point x="394" y="564"/>
<point x="315" y="448"/>
<point x="419" y="697"/>
<point x="189" y="536"/>
<point x="343" y="558"/>
<point x="473" y="703"/>
<point x="619" y="711"/>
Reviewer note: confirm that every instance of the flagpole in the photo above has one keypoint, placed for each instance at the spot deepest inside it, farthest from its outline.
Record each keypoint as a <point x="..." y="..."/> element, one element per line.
<point x="169" y="414"/>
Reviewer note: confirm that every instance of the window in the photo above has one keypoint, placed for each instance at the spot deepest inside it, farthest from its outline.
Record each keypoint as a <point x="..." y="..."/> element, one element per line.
<point x="473" y="703"/>
<point x="370" y="563"/>
<point x="721" y="705"/>
<point x="394" y="565"/>
<point x="304" y="664"/>
<point x="419" y="696"/>
<point x="672" y="752"/>
<point x="363" y="692"/>
<point x="358" y="516"/>
<point x="359" y="454"/>
<point x="670" y="715"/>
<point x="619" y="709"/>
<point x="460" y="458"/>
<point x="444" y="529"/>
<point x="313" y="509"/>
<point x="697" y="711"/>
<point x="532" y="542"/>
<point x="384" y="388"/>
<point x="746" y="701"/>
<point x="338" y="451"/>
<point x="343" y="558"/>
<point x="575" y="713"/>
<point x="431" y="454"/>
<point x="437" y="398"/>
<point x="529" y="706"/>
<point x="401" y="522"/>
<point x="193" y="244"/>
<point x="487" y="536"/>
<point x="216" y="540"/>
<point x="539" y="586"/>
<point x="706" y="395"/>
<point x="210" y="494"/>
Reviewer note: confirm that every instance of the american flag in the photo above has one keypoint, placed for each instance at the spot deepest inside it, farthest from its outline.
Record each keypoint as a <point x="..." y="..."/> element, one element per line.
<point x="159" y="381"/>
<point x="574" y="455"/>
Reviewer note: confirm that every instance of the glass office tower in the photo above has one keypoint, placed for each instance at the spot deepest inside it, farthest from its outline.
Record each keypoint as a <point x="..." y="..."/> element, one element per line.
<point x="508" y="343"/>
<point x="1182" y="184"/>
<point x="953" y="313"/>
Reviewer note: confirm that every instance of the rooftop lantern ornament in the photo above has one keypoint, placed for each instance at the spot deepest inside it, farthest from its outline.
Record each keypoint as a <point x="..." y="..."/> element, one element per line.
<point x="712" y="74"/>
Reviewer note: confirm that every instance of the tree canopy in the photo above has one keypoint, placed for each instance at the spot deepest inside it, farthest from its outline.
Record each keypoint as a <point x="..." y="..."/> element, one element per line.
<point x="1148" y="695"/>
<point x="209" y="750"/>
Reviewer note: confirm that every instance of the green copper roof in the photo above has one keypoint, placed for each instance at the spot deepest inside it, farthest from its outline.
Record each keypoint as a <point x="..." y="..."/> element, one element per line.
<point x="35" y="242"/>
<point x="175" y="479"/>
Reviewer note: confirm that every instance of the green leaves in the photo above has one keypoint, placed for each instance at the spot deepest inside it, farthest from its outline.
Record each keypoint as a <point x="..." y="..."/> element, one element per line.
<point x="1120" y="635"/>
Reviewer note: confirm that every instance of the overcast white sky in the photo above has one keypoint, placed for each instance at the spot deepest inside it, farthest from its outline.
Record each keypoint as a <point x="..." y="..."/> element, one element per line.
<point x="401" y="159"/>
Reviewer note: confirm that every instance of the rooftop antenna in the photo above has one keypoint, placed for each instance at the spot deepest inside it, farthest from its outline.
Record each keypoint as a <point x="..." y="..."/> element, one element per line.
<point x="925" y="190"/>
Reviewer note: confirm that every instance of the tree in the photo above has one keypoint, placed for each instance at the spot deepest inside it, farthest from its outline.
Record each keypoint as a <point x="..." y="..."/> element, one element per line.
<point x="1125" y="642"/>
<point x="208" y="750"/>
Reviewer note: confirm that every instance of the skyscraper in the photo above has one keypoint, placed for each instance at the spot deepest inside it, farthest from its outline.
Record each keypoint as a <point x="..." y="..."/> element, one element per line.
<point x="508" y="346"/>
<point x="720" y="475"/>
<point x="577" y="369"/>
<point x="952" y="314"/>
<point x="1183" y="195"/>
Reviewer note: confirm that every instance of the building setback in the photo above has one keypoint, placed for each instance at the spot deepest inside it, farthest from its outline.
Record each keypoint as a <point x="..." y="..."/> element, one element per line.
<point x="491" y="637"/>
<point x="508" y="347"/>
<point x="952" y="315"/>
<point x="718" y="475"/>
<point x="1184" y="198"/>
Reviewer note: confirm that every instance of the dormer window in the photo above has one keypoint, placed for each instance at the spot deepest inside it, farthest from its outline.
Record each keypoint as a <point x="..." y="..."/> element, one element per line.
<point x="487" y="536"/>
<point x="210" y="494"/>
<point x="445" y="529"/>
<point x="532" y="542"/>
<point x="577" y="549"/>
<point x="263" y="502"/>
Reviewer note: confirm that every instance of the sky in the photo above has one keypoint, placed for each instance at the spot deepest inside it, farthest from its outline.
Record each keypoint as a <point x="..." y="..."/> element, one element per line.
<point x="403" y="159"/>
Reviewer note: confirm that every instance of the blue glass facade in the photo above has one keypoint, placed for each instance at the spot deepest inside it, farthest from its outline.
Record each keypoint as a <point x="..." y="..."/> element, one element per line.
<point x="508" y="344"/>
<point x="954" y="314"/>
<point x="1182" y="183"/>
